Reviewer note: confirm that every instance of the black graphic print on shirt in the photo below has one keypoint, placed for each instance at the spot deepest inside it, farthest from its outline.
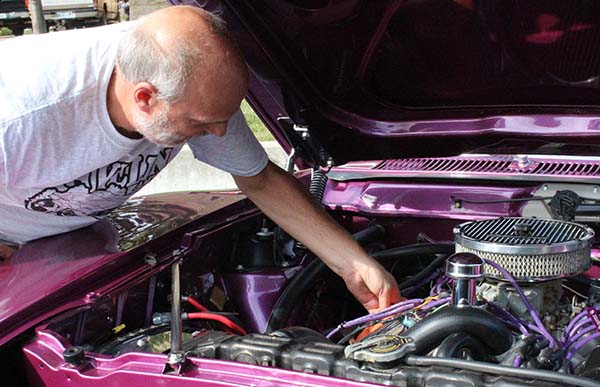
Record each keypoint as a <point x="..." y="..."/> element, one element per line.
<point x="102" y="190"/>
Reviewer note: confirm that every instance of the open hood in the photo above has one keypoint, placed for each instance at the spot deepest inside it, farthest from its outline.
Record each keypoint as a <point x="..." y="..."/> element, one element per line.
<point x="386" y="79"/>
<point x="61" y="270"/>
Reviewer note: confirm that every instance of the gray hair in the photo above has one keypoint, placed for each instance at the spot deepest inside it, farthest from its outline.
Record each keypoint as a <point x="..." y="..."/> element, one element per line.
<point x="141" y="59"/>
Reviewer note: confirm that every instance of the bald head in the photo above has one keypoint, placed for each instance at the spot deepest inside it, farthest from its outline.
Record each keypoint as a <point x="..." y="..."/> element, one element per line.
<point x="169" y="26"/>
<point x="175" y="45"/>
<point x="179" y="75"/>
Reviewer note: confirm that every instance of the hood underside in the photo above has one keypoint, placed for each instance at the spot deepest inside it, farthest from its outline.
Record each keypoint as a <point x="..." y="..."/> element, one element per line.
<point x="387" y="79"/>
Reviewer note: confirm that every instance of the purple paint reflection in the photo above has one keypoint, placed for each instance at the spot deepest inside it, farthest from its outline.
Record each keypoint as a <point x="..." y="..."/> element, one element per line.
<point x="255" y="295"/>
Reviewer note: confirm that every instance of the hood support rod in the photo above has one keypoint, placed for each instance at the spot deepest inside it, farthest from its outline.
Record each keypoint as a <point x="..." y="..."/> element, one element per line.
<point x="176" y="361"/>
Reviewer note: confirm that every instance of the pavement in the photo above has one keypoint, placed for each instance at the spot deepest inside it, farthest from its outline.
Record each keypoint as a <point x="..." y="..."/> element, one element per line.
<point x="185" y="173"/>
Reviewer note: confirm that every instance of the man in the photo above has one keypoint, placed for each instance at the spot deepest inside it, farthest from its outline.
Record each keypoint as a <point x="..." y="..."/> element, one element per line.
<point x="88" y="117"/>
<point x="123" y="10"/>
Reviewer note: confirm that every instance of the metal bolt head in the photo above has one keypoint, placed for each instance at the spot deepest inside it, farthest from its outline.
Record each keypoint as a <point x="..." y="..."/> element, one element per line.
<point x="151" y="259"/>
<point x="176" y="358"/>
<point x="90" y="297"/>
<point x="523" y="161"/>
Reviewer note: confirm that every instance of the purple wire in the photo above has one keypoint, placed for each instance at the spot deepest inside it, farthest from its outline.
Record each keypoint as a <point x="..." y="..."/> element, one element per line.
<point x="366" y="319"/>
<point x="435" y="303"/>
<point x="532" y="311"/>
<point x="571" y="333"/>
<point x="573" y="322"/>
<point x="518" y="323"/>
<point x="569" y="338"/>
<point x="536" y="329"/>
<point x="580" y="325"/>
<point x="400" y="307"/>
<point x="392" y="309"/>
<point x="448" y="283"/>
<point x="512" y="323"/>
<point x="581" y="343"/>
<point x="578" y="336"/>
<point x="438" y="285"/>
<point x="438" y="288"/>
<point x="517" y="361"/>
<point x="440" y="280"/>
<point x="571" y="326"/>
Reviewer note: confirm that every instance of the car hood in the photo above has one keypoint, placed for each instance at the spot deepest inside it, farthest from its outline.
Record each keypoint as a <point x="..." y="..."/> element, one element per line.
<point x="388" y="79"/>
<point x="70" y="270"/>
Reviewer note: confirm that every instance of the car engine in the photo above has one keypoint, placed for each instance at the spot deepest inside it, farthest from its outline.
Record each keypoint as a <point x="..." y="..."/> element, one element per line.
<point x="505" y="300"/>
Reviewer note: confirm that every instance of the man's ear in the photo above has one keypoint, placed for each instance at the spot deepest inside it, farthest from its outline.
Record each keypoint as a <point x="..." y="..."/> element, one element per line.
<point x="144" y="95"/>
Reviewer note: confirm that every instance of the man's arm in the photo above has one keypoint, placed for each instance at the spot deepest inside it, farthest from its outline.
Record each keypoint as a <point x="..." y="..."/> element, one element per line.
<point x="285" y="201"/>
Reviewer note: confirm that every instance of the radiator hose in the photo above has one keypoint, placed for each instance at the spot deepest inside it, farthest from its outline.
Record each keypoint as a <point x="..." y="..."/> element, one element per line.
<point x="430" y="332"/>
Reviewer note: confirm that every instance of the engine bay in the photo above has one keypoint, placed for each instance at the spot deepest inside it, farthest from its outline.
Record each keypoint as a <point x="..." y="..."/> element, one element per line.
<point x="503" y="304"/>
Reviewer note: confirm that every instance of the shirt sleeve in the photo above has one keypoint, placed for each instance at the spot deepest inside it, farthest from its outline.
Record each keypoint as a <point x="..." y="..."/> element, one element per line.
<point x="237" y="152"/>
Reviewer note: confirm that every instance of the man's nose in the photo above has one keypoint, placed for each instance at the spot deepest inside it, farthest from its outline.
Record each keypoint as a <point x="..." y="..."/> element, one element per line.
<point x="218" y="130"/>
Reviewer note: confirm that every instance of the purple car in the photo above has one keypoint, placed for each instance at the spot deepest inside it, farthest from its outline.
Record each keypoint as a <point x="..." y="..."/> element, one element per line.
<point x="457" y="140"/>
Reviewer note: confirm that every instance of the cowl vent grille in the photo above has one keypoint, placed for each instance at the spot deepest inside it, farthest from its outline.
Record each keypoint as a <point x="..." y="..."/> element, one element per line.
<point x="490" y="165"/>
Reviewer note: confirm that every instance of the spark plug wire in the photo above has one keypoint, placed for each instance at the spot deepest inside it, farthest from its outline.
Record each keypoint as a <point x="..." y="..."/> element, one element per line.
<point x="206" y="314"/>
<point x="215" y="317"/>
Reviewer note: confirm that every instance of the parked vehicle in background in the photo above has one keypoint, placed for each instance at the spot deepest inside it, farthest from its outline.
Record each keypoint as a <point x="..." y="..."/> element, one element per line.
<point x="14" y="15"/>
<point x="110" y="9"/>
<point x="66" y="14"/>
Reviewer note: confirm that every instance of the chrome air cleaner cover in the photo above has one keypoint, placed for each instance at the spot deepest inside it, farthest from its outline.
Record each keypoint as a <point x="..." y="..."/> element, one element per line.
<point x="531" y="249"/>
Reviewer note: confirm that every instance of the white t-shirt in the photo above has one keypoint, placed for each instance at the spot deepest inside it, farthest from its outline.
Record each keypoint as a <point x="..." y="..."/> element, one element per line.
<point x="63" y="164"/>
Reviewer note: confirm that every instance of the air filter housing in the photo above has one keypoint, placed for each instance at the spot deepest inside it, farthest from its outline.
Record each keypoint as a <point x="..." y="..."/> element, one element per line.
<point x="531" y="249"/>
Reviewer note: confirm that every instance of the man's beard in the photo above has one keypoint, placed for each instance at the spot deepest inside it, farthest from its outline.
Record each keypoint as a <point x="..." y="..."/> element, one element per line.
<point x="158" y="129"/>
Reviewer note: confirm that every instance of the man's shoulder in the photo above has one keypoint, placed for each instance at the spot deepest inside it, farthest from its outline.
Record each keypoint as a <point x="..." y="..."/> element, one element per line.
<point x="42" y="70"/>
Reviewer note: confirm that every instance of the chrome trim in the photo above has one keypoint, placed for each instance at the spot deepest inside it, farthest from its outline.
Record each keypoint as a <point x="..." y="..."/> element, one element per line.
<point x="465" y="269"/>
<point x="531" y="249"/>
<point x="499" y="176"/>
<point x="550" y="247"/>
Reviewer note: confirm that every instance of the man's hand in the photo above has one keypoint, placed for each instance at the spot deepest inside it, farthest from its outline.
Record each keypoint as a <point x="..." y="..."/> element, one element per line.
<point x="285" y="201"/>
<point x="372" y="285"/>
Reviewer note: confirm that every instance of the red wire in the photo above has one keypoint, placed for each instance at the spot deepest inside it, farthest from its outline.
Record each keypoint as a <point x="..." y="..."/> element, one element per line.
<point x="196" y="304"/>
<point x="217" y="317"/>
<point x="206" y="314"/>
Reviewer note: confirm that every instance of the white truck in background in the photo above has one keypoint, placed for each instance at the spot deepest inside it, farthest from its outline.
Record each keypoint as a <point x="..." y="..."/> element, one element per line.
<point x="67" y="14"/>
